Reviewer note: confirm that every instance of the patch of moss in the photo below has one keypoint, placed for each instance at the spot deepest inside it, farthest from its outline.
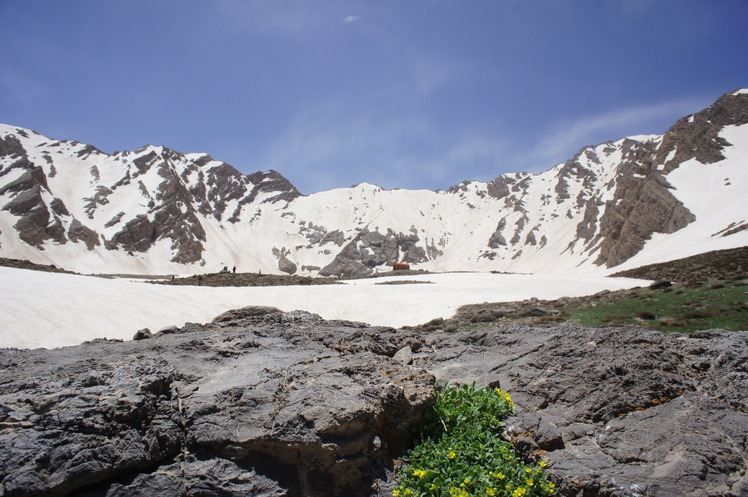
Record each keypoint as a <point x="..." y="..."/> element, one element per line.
<point x="690" y="308"/>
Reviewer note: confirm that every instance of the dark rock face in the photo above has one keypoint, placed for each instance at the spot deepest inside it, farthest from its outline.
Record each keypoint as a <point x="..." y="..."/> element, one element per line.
<point x="273" y="182"/>
<point x="256" y="403"/>
<point x="617" y="411"/>
<point x="504" y="185"/>
<point x="169" y="208"/>
<point x="37" y="222"/>
<point x="642" y="205"/>
<point x="79" y="232"/>
<point x="697" y="136"/>
<point x="370" y="249"/>
<point x="284" y="263"/>
<point x="137" y="235"/>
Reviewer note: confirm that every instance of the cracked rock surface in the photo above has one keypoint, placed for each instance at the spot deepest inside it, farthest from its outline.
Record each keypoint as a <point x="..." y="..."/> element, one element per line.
<point x="618" y="411"/>
<point x="258" y="403"/>
<point x="265" y="403"/>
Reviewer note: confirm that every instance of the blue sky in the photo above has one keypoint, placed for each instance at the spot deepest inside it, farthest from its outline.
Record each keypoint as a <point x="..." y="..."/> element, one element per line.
<point x="401" y="93"/>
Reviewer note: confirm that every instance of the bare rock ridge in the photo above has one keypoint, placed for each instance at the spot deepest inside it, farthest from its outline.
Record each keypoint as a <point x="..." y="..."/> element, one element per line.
<point x="645" y="204"/>
<point x="157" y="210"/>
<point x="169" y="193"/>
<point x="260" y="402"/>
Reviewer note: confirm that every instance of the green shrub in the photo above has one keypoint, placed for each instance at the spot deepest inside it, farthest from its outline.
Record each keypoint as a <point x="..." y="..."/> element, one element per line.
<point x="462" y="454"/>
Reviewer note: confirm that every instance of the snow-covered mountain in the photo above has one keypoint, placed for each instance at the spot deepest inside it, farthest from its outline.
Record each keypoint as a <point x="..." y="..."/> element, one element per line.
<point x="619" y="204"/>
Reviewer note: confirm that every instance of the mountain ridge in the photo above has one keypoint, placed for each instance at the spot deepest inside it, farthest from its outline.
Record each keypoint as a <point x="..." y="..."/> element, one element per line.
<point x="155" y="210"/>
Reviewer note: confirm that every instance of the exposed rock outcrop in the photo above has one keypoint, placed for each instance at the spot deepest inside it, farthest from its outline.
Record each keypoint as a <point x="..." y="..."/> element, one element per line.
<point x="643" y="205"/>
<point x="81" y="233"/>
<point x="261" y="402"/>
<point x="137" y="235"/>
<point x="371" y="249"/>
<point x="284" y="263"/>
<point x="256" y="403"/>
<point x="616" y="411"/>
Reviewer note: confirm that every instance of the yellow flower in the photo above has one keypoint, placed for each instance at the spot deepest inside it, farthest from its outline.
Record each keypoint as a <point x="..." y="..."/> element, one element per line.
<point x="529" y="483"/>
<point x="542" y="464"/>
<point x="466" y="481"/>
<point x="490" y="492"/>
<point x="452" y="454"/>
<point x="551" y="485"/>
<point x="528" y="470"/>
<point x="419" y="473"/>
<point x="519" y="492"/>
<point x="396" y="492"/>
<point x="508" y="399"/>
<point x="431" y="487"/>
<point x="500" y="476"/>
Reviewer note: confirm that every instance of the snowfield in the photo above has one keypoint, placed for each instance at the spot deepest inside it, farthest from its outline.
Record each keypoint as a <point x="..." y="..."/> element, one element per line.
<point x="40" y="309"/>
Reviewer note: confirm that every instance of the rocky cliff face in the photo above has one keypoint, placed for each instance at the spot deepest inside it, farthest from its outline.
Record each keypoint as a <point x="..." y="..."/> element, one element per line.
<point x="157" y="210"/>
<point x="644" y="202"/>
<point x="260" y="402"/>
<point x="127" y="202"/>
<point x="369" y="250"/>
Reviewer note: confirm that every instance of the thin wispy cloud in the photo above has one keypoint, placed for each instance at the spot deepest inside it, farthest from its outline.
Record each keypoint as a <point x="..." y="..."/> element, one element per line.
<point x="405" y="94"/>
<point x="409" y="151"/>
<point x="560" y="144"/>
<point x="327" y="137"/>
<point x="392" y="150"/>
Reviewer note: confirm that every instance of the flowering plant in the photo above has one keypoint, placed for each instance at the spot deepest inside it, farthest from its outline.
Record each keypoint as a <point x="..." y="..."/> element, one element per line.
<point x="462" y="454"/>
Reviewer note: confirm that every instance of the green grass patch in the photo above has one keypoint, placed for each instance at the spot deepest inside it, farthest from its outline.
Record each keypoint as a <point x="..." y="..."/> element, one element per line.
<point x="685" y="309"/>
<point x="462" y="454"/>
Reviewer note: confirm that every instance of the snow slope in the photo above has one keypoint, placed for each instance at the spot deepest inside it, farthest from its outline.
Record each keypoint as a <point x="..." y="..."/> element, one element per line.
<point x="40" y="309"/>
<point x="622" y="203"/>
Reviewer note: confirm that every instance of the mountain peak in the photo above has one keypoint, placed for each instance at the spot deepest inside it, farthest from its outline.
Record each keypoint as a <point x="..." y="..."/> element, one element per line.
<point x="636" y="200"/>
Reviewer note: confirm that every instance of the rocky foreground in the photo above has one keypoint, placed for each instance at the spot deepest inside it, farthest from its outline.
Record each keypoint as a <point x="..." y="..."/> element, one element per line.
<point x="265" y="403"/>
